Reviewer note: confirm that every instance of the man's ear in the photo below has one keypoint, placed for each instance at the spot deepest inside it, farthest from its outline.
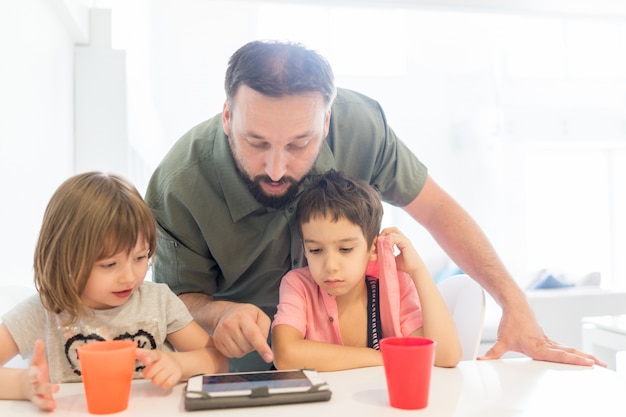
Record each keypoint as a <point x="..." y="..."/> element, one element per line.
<point x="226" y="119"/>
<point x="327" y="123"/>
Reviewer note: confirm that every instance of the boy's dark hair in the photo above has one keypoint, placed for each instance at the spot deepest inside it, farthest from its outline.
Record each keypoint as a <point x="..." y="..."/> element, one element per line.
<point x="334" y="195"/>
<point x="279" y="69"/>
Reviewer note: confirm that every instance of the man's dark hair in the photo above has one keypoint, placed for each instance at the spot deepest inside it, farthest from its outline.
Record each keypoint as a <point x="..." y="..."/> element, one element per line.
<point x="279" y="69"/>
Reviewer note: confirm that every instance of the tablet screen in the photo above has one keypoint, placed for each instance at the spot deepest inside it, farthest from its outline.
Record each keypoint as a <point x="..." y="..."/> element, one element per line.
<point x="243" y="383"/>
<point x="249" y="381"/>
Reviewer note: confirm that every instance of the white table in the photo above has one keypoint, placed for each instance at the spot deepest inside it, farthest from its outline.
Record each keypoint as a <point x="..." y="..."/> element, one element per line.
<point x="510" y="387"/>
<point x="605" y="337"/>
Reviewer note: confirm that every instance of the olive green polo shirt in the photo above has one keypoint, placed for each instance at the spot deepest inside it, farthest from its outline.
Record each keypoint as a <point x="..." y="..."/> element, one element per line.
<point x="215" y="238"/>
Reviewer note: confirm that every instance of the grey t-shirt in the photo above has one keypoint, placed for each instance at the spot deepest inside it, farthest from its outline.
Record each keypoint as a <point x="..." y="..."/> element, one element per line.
<point x="152" y="312"/>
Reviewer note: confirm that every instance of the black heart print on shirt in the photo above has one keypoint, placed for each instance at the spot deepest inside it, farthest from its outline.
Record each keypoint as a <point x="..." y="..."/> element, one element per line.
<point x="143" y="339"/>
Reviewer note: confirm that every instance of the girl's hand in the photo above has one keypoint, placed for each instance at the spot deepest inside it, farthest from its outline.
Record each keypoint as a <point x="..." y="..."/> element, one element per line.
<point x="36" y="381"/>
<point x="160" y="368"/>
<point x="408" y="260"/>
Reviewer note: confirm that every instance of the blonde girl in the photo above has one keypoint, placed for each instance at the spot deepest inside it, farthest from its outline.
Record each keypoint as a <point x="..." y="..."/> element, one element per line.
<point x="94" y="250"/>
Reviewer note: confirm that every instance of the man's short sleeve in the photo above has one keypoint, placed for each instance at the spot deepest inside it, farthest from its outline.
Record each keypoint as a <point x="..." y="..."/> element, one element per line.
<point x="364" y="146"/>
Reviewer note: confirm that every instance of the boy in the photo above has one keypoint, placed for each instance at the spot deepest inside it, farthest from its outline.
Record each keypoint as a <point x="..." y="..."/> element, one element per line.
<point x="332" y="314"/>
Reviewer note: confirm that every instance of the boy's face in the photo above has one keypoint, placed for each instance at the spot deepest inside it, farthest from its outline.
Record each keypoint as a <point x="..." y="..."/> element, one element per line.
<point x="112" y="280"/>
<point x="337" y="254"/>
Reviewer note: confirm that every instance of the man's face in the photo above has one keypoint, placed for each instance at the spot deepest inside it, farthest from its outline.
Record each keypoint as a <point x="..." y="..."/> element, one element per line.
<point x="275" y="140"/>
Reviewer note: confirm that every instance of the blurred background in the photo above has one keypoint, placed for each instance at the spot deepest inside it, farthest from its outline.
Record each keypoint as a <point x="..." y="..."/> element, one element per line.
<point x="518" y="108"/>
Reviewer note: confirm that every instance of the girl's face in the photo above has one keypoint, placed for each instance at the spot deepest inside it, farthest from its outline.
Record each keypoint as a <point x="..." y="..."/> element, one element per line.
<point x="112" y="280"/>
<point x="337" y="254"/>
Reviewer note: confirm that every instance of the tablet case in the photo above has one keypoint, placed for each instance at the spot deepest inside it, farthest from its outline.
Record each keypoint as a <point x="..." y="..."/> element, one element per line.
<point x="260" y="396"/>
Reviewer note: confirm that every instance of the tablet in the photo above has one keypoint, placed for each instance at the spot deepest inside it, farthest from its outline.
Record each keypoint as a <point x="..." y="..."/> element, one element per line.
<point x="243" y="389"/>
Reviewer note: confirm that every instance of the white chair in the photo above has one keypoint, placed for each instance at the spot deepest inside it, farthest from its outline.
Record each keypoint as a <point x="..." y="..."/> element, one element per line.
<point x="465" y="299"/>
<point x="10" y="295"/>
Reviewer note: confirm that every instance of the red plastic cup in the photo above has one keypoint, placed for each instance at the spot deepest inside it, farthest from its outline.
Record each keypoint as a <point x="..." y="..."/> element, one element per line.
<point x="408" y="363"/>
<point x="107" y="369"/>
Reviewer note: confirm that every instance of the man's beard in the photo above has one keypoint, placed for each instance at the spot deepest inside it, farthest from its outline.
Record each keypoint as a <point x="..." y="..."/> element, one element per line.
<point x="271" y="201"/>
<point x="254" y="185"/>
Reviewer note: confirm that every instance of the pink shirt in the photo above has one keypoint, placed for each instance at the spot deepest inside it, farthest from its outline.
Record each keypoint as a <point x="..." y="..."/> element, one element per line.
<point x="314" y="313"/>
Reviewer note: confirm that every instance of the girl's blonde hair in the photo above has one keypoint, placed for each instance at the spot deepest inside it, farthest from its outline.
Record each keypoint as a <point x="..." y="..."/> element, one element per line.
<point x="91" y="216"/>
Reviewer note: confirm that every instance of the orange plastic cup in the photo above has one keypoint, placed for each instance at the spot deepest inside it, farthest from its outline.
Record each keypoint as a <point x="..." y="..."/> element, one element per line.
<point x="408" y="363"/>
<point x="107" y="369"/>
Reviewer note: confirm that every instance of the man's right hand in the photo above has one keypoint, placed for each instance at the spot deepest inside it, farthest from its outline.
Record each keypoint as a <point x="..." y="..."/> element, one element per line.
<point x="236" y="328"/>
<point x="241" y="329"/>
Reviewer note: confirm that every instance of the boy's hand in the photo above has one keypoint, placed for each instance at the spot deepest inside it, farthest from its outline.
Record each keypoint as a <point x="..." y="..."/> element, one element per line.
<point x="160" y="368"/>
<point x="408" y="260"/>
<point x="36" y="382"/>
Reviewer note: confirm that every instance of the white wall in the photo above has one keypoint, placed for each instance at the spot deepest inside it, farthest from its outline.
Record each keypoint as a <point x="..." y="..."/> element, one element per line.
<point x="100" y="128"/>
<point x="36" y="120"/>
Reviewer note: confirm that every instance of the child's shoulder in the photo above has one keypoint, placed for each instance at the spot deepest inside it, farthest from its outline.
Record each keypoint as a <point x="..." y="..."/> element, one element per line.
<point x="300" y="280"/>
<point x="154" y="286"/>
<point x="155" y="290"/>
<point x="29" y="309"/>
<point x="150" y="285"/>
<point x="299" y="274"/>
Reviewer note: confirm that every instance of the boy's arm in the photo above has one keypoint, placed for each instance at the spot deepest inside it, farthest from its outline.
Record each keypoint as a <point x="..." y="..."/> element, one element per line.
<point x="438" y="323"/>
<point x="292" y="351"/>
<point x="437" y="320"/>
